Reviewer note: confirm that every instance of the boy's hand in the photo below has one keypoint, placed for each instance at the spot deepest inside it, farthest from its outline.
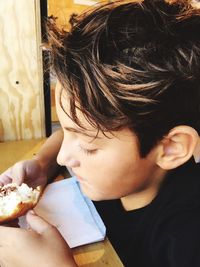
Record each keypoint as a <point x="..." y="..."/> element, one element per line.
<point x="27" y="171"/>
<point x="41" y="245"/>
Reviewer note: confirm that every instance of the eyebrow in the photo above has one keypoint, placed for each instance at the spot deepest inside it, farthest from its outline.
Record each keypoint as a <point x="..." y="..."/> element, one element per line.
<point x="81" y="131"/>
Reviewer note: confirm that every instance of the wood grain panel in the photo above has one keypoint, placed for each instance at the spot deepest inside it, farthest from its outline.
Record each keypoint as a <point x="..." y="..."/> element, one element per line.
<point x="63" y="9"/>
<point x="21" y="82"/>
<point x="14" y="151"/>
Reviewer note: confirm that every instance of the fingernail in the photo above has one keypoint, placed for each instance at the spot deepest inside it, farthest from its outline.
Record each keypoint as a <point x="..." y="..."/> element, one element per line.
<point x="32" y="212"/>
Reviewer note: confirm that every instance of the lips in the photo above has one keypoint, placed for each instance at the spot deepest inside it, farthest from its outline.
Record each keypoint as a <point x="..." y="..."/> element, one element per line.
<point x="79" y="177"/>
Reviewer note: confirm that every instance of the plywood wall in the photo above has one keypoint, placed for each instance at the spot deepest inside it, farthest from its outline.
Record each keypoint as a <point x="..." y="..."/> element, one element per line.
<point x="21" y="76"/>
<point x="62" y="9"/>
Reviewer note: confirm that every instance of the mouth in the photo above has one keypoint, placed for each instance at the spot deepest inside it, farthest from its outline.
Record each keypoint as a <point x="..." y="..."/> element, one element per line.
<point x="79" y="178"/>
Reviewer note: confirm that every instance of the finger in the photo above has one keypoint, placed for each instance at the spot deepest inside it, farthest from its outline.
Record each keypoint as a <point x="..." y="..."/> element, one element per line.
<point x="5" y="178"/>
<point x="17" y="173"/>
<point x="38" y="224"/>
<point x="7" y="232"/>
<point x="9" y="236"/>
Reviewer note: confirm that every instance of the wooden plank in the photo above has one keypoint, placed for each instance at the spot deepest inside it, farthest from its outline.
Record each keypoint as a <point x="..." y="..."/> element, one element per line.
<point x="62" y="10"/>
<point x="85" y="2"/>
<point x="97" y="255"/>
<point x="13" y="151"/>
<point x="21" y="89"/>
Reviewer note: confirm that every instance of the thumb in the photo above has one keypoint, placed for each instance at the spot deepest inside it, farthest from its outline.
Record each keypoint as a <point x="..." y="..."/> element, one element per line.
<point x="38" y="224"/>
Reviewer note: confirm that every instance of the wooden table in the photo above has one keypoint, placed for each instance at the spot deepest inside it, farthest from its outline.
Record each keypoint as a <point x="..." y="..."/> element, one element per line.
<point x="94" y="255"/>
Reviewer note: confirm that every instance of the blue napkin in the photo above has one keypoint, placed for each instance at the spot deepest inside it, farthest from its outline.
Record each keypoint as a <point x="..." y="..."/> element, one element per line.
<point x="75" y="216"/>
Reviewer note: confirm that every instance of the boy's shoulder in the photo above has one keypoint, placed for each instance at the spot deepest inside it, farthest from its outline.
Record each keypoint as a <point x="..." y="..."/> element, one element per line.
<point x="180" y="191"/>
<point x="172" y="224"/>
<point x="166" y="230"/>
<point x="182" y="185"/>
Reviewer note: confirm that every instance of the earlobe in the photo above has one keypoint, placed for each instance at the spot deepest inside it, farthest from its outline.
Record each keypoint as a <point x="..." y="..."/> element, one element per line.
<point x="177" y="147"/>
<point x="196" y="153"/>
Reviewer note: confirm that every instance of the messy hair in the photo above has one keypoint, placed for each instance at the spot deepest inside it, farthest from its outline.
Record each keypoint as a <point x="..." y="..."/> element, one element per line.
<point x="134" y="65"/>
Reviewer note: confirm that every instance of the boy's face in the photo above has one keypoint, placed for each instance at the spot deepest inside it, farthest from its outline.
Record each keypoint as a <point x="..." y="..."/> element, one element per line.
<point x="107" y="167"/>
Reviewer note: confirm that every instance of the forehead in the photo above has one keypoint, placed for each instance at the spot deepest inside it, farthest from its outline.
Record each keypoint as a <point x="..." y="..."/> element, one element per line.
<point x="63" y="111"/>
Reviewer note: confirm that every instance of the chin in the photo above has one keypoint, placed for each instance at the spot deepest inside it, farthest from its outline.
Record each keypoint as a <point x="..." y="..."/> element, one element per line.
<point x="91" y="193"/>
<point x="95" y="195"/>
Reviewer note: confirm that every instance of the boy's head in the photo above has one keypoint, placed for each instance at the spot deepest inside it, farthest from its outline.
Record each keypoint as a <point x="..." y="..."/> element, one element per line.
<point x="134" y="65"/>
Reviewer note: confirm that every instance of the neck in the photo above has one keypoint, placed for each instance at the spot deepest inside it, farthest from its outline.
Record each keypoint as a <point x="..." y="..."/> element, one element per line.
<point x="143" y="198"/>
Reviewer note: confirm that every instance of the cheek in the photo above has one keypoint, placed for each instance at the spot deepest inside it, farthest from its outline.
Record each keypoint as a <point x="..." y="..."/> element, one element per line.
<point x="116" y="177"/>
<point x="109" y="165"/>
<point x="109" y="174"/>
<point x="106" y="183"/>
<point x="106" y="161"/>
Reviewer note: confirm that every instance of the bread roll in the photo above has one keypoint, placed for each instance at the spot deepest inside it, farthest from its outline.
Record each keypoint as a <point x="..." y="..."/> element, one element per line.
<point x="16" y="200"/>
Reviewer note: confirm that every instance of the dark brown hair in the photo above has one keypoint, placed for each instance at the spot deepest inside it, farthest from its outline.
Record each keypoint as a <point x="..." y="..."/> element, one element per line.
<point x="133" y="65"/>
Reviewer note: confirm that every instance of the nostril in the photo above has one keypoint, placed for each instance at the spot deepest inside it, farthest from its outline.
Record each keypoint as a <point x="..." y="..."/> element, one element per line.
<point x="72" y="163"/>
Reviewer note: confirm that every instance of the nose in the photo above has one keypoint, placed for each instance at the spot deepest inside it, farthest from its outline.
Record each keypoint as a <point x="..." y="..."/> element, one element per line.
<point x="66" y="156"/>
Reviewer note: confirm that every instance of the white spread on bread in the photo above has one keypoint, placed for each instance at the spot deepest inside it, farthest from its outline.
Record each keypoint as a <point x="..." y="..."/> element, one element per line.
<point x="11" y="195"/>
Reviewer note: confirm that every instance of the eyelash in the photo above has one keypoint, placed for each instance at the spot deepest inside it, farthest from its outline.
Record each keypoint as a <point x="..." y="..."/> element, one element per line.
<point x="88" y="151"/>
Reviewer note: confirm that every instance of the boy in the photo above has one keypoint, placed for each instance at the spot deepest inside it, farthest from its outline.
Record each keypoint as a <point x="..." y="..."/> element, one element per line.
<point x="128" y="100"/>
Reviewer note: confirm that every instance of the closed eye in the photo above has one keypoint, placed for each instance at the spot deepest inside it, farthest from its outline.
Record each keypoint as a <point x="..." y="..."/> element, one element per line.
<point x="88" y="151"/>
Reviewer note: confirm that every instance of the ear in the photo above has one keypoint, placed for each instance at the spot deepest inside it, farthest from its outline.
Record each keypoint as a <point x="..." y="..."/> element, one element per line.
<point x="177" y="147"/>
<point x="196" y="153"/>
